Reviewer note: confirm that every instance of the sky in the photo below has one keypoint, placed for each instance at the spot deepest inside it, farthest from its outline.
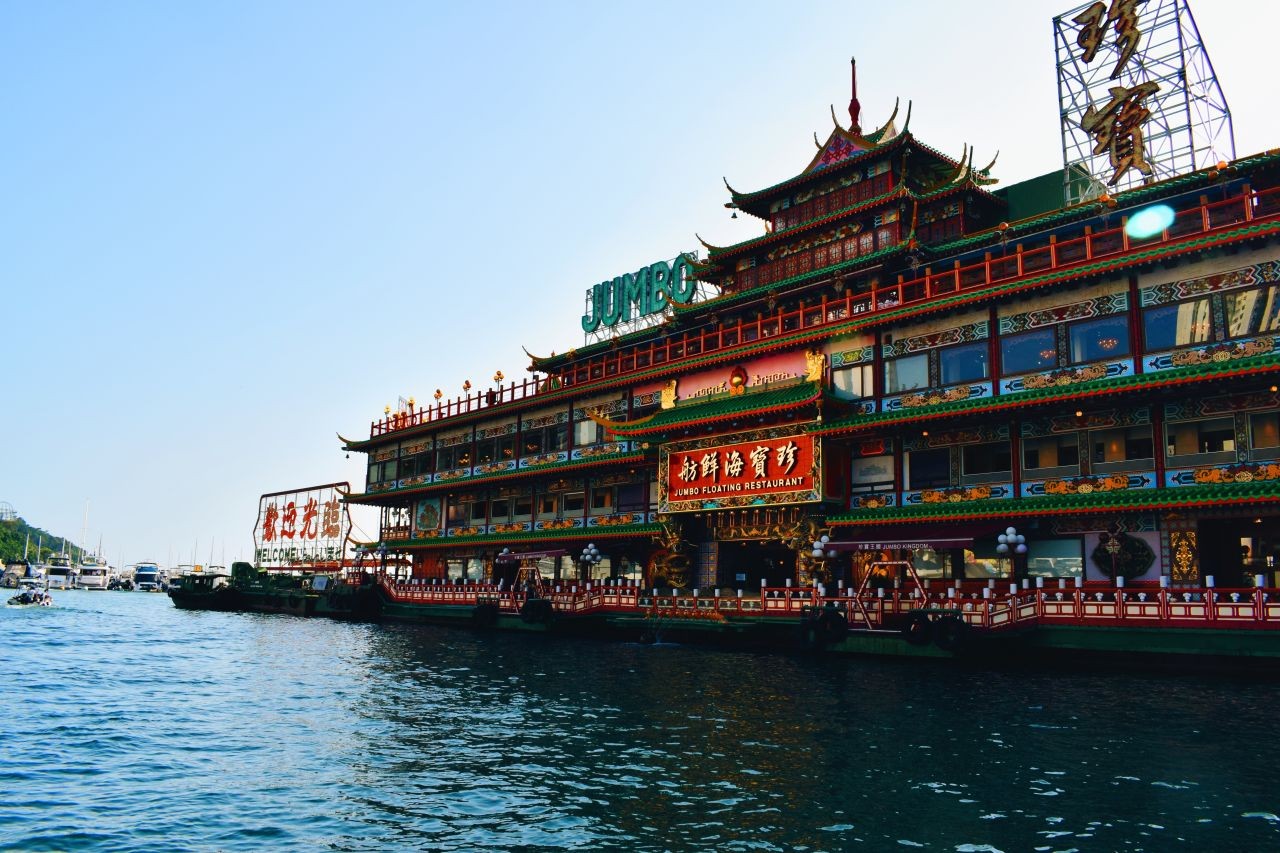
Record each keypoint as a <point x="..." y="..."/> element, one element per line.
<point x="230" y="231"/>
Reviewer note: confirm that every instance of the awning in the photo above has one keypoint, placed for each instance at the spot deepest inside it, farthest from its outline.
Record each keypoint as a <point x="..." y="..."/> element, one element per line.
<point x="936" y="543"/>
<point x="530" y="555"/>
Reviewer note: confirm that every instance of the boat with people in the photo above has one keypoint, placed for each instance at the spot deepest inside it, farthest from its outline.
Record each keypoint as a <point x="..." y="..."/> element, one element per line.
<point x="31" y="595"/>
<point x="60" y="572"/>
<point x="93" y="573"/>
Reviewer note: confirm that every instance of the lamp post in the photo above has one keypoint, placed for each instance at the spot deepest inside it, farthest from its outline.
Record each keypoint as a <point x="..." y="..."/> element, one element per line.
<point x="589" y="557"/>
<point x="1010" y="543"/>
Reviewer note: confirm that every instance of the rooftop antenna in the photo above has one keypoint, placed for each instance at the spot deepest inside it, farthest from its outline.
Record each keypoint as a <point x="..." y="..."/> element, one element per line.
<point x="854" y="107"/>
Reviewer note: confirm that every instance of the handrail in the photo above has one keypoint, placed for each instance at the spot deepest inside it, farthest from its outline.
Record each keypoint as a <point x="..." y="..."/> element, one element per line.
<point x="997" y="265"/>
<point x="981" y="607"/>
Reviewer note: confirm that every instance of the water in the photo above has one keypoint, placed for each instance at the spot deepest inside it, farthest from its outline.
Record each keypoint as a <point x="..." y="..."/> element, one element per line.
<point x="130" y="725"/>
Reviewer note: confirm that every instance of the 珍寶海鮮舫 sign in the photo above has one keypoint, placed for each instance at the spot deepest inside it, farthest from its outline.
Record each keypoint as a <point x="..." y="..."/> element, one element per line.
<point x="770" y="467"/>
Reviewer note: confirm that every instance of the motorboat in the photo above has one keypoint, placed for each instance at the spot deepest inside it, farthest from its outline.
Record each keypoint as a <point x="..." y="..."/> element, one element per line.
<point x="94" y="573"/>
<point x="18" y="571"/>
<point x="147" y="577"/>
<point x="31" y="595"/>
<point x="60" y="572"/>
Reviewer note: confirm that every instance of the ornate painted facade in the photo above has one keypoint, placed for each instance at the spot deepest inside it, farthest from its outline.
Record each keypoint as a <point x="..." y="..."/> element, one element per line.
<point x="945" y="357"/>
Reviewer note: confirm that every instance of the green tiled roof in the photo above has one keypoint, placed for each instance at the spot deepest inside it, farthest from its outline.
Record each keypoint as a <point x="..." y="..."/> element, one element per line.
<point x="464" y="482"/>
<point x="597" y="532"/>
<point x="1089" y="209"/>
<point x="744" y="295"/>
<point x="1178" y="375"/>
<point x="721" y="408"/>
<point x="1126" y="499"/>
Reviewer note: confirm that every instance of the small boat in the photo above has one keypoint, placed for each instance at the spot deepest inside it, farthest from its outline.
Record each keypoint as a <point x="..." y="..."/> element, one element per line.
<point x="60" y="572"/>
<point x="31" y="596"/>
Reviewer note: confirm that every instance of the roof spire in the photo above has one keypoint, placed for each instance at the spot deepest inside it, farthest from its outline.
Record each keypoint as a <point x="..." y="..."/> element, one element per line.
<point x="854" y="106"/>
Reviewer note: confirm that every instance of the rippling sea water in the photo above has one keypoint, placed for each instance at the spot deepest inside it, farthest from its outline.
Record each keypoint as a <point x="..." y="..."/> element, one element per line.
<point x="130" y="725"/>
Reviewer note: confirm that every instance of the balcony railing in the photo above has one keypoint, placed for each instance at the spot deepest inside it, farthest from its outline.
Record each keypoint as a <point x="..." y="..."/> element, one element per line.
<point x="1004" y="264"/>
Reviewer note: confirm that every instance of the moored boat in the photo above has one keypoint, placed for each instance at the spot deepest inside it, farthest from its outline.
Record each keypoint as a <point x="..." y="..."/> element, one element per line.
<point x="60" y="572"/>
<point x="93" y="573"/>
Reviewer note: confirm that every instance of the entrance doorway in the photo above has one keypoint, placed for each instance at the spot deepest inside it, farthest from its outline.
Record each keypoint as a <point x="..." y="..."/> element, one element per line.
<point x="744" y="564"/>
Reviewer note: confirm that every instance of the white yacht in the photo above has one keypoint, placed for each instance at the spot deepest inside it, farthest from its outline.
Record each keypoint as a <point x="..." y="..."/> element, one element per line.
<point x="94" y="573"/>
<point x="147" y="577"/>
<point x="59" y="572"/>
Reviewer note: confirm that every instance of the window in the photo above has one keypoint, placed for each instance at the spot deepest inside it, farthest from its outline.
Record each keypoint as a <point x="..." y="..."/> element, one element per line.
<point x="1264" y="430"/>
<point x="984" y="462"/>
<point x="547" y="505"/>
<point x="1194" y="438"/>
<point x="458" y="512"/>
<point x="602" y="499"/>
<point x="586" y="433"/>
<point x="1114" y="448"/>
<point x="544" y="439"/>
<point x="499" y="509"/>
<point x="458" y="456"/>
<point x="1177" y="325"/>
<point x="478" y="511"/>
<point x="1055" y="558"/>
<point x="631" y="498"/>
<point x="490" y="450"/>
<point x="906" y="373"/>
<point x="1097" y="340"/>
<point x="853" y="383"/>
<point x="1029" y="351"/>
<point x="873" y="473"/>
<point x="522" y="507"/>
<point x="926" y="469"/>
<point x="573" y="502"/>
<point x="1252" y="311"/>
<point x="1056" y="451"/>
<point x="964" y="363"/>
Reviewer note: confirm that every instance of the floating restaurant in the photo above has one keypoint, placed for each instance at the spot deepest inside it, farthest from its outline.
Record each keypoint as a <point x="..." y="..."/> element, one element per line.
<point x="1046" y="404"/>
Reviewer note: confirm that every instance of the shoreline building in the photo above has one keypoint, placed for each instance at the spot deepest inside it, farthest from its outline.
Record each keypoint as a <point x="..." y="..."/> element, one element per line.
<point x="910" y="361"/>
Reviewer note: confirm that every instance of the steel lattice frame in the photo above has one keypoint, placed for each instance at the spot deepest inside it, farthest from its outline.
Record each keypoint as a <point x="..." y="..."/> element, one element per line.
<point x="1190" y="123"/>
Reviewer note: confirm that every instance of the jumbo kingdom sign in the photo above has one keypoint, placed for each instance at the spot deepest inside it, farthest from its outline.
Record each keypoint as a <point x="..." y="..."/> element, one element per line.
<point x="636" y="300"/>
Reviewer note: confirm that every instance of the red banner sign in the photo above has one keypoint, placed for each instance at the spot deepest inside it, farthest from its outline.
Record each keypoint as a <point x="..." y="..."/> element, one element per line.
<point x="766" y="468"/>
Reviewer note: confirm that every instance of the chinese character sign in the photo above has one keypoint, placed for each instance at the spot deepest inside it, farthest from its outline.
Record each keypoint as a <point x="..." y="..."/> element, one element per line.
<point x="301" y="527"/>
<point x="771" y="469"/>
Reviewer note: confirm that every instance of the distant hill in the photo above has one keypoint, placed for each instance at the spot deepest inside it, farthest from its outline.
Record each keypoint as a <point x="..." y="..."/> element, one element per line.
<point x="13" y="537"/>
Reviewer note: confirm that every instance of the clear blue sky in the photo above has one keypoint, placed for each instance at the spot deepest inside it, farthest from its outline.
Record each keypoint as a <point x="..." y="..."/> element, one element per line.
<point x="230" y="230"/>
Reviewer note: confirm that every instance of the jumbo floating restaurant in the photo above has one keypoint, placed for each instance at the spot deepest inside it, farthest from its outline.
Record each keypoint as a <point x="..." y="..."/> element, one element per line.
<point x="1051" y="405"/>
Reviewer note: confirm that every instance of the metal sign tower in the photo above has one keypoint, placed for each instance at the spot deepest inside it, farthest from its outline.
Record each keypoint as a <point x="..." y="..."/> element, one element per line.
<point x="1138" y="97"/>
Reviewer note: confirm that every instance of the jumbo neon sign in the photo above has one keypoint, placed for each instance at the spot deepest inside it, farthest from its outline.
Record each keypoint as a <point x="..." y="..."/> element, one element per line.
<point x="644" y="292"/>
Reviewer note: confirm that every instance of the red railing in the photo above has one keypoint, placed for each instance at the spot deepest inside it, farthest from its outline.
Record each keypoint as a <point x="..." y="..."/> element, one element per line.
<point x="982" y="607"/>
<point x="1005" y="264"/>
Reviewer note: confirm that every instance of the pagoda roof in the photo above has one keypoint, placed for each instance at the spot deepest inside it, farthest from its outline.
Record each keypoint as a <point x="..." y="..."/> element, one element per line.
<point x="1184" y="497"/>
<point x="717" y="409"/>
<point x="963" y="178"/>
